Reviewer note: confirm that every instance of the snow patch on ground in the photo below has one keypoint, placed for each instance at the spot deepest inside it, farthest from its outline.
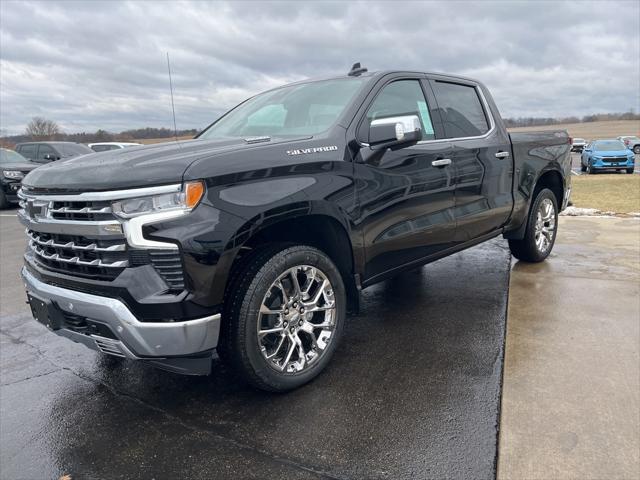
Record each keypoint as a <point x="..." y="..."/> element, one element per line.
<point x="593" y="212"/>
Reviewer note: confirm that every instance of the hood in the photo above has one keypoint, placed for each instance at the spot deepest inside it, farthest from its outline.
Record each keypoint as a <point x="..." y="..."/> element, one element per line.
<point x="148" y="165"/>
<point x="22" y="166"/>
<point x="615" y="153"/>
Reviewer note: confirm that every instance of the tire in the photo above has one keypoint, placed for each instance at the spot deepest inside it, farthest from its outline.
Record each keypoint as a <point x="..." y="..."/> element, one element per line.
<point x="533" y="247"/>
<point x="636" y="149"/>
<point x="4" y="203"/>
<point x="583" y="168"/>
<point x="590" y="170"/>
<point x="630" y="170"/>
<point x="299" y="351"/>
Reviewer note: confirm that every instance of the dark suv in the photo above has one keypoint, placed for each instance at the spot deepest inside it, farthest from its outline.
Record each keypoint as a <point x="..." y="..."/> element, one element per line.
<point x="43" y="152"/>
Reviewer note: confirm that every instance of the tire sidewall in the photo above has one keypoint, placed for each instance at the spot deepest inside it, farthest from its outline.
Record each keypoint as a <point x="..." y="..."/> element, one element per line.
<point x="531" y="229"/>
<point x="273" y="268"/>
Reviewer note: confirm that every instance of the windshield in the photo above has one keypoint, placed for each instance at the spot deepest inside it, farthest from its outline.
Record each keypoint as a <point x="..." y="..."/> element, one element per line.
<point x="9" y="156"/>
<point x="305" y="109"/>
<point x="73" y="149"/>
<point x="609" y="146"/>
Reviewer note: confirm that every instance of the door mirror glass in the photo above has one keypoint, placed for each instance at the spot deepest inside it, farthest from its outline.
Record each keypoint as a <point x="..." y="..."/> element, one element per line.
<point x="395" y="132"/>
<point x="48" y="157"/>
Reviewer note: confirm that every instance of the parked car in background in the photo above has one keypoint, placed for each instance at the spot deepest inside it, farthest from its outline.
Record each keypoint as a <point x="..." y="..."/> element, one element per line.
<point x="632" y="142"/>
<point x="44" y="152"/>
<point x="105" y="146"/>
<point x="13" y="168"/>
<point x="577" y="145"/>
<point x="607" y="155"/>
<point x="254" y="239"/>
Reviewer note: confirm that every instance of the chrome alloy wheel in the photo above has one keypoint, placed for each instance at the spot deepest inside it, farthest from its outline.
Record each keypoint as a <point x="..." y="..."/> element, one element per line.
<point x="545" y="225"/>
<point x="297" y="319"/>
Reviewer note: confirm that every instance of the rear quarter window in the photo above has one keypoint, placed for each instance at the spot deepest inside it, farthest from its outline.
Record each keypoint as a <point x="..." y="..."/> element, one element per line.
<point x="460" y="109"/>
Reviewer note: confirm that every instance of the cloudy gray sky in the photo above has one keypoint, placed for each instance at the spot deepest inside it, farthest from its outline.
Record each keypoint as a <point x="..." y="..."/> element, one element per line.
<point x="90" y="65"/>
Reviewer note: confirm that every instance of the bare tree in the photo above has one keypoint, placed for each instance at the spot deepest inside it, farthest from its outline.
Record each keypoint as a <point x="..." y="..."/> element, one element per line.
<point x="42" y="129"/>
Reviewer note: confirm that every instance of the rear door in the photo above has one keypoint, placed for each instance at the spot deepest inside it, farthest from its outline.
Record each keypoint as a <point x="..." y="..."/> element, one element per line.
<point x="404" y="202"/>
<point x="481" y="156"/>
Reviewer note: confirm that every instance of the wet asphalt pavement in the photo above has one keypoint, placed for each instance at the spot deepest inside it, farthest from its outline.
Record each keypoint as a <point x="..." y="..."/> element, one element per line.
<point x="412" y="392"/>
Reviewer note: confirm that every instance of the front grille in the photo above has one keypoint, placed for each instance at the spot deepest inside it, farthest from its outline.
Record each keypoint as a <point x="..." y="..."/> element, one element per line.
<point x="615" y="159"/>
<point x="79" y="235"/>
<point x="99" y="259"/>
<point x="86" y="211"/>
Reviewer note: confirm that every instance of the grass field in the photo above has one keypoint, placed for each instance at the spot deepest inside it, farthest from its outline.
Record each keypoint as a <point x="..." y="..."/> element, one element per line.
<point x="608" y="192"/>
<point x="591" y="130"/>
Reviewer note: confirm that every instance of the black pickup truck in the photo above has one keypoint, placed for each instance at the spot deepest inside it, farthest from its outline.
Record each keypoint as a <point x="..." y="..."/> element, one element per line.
<point x="253" y="240"/>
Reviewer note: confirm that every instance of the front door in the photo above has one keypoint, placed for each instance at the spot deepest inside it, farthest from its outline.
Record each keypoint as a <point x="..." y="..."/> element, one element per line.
<point x="405" y="202"/>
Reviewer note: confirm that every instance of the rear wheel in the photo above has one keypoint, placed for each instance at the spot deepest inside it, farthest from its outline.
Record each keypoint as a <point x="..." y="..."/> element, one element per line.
<point x="636" y="149"/>
<point x="540" y="234"/>
<point x="283" y="317"/>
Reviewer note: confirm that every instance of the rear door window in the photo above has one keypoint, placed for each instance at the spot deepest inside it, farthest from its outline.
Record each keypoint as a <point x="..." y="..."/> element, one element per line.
<point x="402" y="97"/>
<point x="460" y="109"/>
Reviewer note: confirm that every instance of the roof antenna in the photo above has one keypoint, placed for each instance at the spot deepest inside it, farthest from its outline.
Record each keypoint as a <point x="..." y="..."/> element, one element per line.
<point x="356" y="70"/>
<point x="173" y="108"/>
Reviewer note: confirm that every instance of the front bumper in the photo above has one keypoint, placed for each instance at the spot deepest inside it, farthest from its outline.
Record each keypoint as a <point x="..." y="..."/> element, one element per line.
<point x="182" y="346"/>
<point x="10" y="189"/>
<point x="605" y="164"/>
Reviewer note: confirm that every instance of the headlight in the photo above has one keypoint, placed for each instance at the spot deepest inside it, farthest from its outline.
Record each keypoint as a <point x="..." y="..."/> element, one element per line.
<point x="14" y="174"/>
<point x="185" y="200"/>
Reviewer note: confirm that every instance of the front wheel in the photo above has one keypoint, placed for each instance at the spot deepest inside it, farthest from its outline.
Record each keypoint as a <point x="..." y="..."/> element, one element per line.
<point x="590" y="169"/>
<point x="629" y="170"/>
<point x="4" y="203"/>
<point x="540" y="234"/>
<point x="636" y="149"/>
<point x="284" y="317"/>
<point x="583" y="168"/>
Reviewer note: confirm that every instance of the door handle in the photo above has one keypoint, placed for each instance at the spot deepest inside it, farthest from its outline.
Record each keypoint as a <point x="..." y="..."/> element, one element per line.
<point x="443" y="162"/>
<point x="502" y="154"/>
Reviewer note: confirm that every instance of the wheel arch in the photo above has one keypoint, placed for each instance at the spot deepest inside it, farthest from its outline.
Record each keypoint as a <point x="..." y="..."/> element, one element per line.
<point x="550" y="178"/>
<point x="314" y="227"/>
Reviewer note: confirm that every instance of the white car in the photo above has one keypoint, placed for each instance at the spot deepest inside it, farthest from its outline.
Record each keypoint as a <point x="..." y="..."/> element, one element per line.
<point x="632" y="142"/>
<point x="104" y="146"/>
<point x="577" y="145"/>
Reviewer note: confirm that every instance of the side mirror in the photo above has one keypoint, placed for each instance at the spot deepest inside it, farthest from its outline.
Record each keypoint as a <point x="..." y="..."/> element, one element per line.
<point x="395" y="132"/>
<point x="50" y="158"/>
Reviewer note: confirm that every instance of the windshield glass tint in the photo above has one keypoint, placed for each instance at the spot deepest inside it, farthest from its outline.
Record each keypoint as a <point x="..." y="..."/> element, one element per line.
<point x="306" y="109"/>
<point x="9" y="156"/>
<point x="609" y="146"/>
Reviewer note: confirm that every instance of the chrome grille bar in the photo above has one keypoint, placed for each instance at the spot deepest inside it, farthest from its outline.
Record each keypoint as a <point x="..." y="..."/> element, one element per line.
<point x="75" y="260"/>
<point x="80" y="210"/>
<point x="71" y="245"/>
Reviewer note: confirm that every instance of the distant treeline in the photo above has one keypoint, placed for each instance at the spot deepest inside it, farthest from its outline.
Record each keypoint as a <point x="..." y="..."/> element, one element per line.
<point x="101" y="136"/>
<point x="596" y="117"/>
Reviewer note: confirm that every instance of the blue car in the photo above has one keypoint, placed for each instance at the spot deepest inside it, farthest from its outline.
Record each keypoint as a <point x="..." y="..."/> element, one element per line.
<point x="607" y="155"/>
